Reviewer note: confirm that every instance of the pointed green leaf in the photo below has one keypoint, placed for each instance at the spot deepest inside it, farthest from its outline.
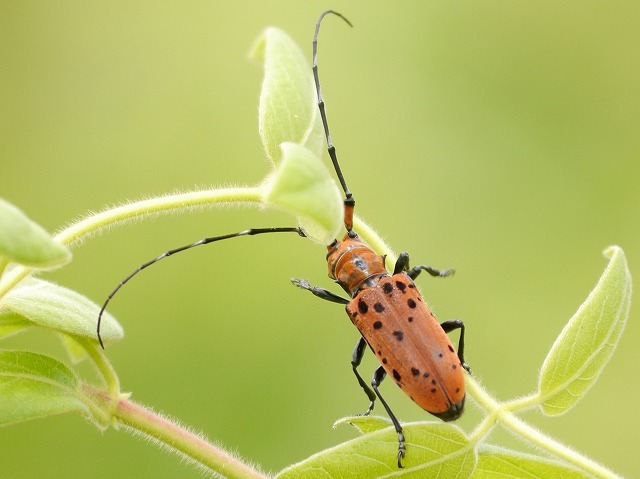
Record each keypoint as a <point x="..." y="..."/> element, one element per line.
<point x="51" y="306"/>
<point x="500" y="463"/>
<point x="12" y="323"/>
<point x="434" y="450"/>
<point x="75" y="350"/>
<point x="33" y="385"/>
<point x="587" y="342"/>
<point x="302" y="186"/>
<point x="25" y="242"/>
<point x="288" y="109"/>
<point x="364" y="424"/>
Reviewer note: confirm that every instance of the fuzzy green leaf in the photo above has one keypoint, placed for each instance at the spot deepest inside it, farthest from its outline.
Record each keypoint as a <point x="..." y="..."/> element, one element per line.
<point x="51" y="306"/>
<point x="434" y="450"/>
<point x="364" y="424"/>
<point x="587" y="342"/>
<point x="12" y="323"/>
<point x="33" y="385"/>
<point x="75" y="350"/>
<point x="500" y="463"/>
<point x="288" y="109"/>
<point x="25" y="242"/>
<point x="302" y="186"/>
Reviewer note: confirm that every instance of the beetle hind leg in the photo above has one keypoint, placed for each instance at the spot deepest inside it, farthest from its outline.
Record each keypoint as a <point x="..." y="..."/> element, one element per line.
<point x="378" y="376"/>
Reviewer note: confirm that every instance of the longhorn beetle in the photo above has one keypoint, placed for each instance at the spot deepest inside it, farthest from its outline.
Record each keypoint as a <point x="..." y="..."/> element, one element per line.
<point x="388" y="310"/>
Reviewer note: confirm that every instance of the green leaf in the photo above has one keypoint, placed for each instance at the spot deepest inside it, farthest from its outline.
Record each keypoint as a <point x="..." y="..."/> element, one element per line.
<point x="25" y="242"/>
<point x="587" y="342"/>
<point x="51" y="306"/>
<point x="75" y="350"/>
<point x="33" y="385"/>
<point x="364" y="424"/>
<point x="303" y="186"/>
<point x="499" y="463"/>
<point x="12" y="323"/>
<point x="288" y="109"/>
<point x="434" y="450"/>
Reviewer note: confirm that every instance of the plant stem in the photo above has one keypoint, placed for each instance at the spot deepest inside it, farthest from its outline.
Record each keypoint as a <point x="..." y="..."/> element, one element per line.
<point x="105" y="368"/>
<point x="178" y="439"/>
<point x="162" y="204"/>
<point x="509" y="421"/>
<point x="500" y="414"/>
<point x="165" y="204"/>
<point x="372" y="239"/>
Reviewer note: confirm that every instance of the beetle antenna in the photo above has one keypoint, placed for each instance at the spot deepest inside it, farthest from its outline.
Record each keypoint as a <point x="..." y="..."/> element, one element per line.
<point x="213" y="239"/>
<point x="331" y="149"/>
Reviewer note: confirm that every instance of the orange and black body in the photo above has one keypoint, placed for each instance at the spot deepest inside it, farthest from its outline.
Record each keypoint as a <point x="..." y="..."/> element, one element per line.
<point x="398" y="326"/>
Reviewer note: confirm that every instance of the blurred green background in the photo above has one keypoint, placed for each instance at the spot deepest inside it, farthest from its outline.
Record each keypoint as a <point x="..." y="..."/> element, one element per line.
<point x="500" y="138"/>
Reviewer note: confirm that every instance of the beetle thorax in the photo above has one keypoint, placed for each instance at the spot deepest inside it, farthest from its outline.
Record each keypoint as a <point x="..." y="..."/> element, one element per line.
<point x="354" y="265"/>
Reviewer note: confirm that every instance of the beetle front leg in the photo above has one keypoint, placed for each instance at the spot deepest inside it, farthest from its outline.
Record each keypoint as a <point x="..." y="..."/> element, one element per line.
<point x="320" y="292"/>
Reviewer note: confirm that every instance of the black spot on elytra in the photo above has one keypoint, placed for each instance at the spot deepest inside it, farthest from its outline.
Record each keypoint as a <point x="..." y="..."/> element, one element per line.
<point x="384" y="360"/>
<point x="415" y="371"/>
<point x="410" y="319"/>
<point x="457" y="390"/>
<point x="378" y="307"/>
<point x="440" y="355"/>
<point x="387" y="288"/>
<point x="399" y="335"/>
<point x="451" y="349"/>
<point x="401" y="286"/>
<point x="396" y="376"/>
<point x="379" y="353"/>
<point x="455" y="367"/>
<point x="433" y="390"/>
<point x="363" y="307"/>
<point x="434" y="382"/>
<point x="425" y="375"/>
<point x="377" y="325"/>
<point x="411" y="303"/>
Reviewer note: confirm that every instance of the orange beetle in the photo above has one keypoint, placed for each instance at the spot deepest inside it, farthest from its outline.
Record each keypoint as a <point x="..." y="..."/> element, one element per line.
<point x="388" y="310"/>
<point x="394" y="321"/>
<point x="391" y="315"/>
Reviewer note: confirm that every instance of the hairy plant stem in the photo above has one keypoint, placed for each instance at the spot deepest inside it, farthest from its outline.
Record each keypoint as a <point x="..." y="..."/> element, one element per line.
<point x="86" y="227"/>
<point x="171" y="435"/>
<point x="503" y="414"/>
<point x="190" y="445"/>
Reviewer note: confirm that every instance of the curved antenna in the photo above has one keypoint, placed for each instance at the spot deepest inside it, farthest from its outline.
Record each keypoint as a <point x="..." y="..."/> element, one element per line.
<point x="349" y="201"/>
<point x="213" y="239"/>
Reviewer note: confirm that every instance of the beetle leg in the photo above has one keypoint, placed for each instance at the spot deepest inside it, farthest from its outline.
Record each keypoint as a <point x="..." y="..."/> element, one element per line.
<point x="402" y="265"/>
<point x="356" y="358"/>
<point x="378" y="376"/>
<point x="451" y="325"/>
<point x="320" y="292"/>
<point x="438" y="273"/>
